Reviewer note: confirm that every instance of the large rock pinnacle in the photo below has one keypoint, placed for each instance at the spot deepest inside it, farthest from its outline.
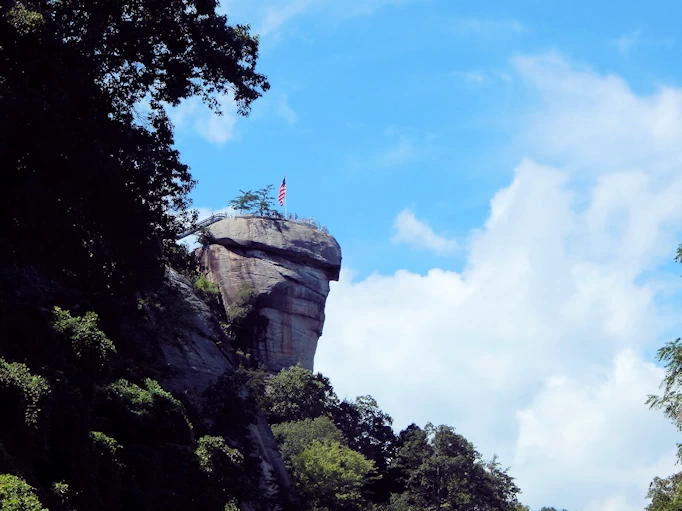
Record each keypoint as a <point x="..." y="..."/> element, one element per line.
<point x="289" y="264"/>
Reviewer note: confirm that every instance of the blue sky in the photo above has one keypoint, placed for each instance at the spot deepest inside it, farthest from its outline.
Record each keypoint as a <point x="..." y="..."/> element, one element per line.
<point x="504" y="181"/>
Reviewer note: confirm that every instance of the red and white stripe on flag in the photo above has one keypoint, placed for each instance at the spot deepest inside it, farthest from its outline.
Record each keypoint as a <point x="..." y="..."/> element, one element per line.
<point x="282" y="191"/>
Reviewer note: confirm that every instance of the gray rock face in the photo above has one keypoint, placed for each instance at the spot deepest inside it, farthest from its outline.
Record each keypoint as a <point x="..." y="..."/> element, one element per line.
<point x="195" y="358"/>
<point x="290" y="265"/>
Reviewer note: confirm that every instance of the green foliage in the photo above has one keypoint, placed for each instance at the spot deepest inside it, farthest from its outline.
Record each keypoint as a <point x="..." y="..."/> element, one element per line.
<point x="23" y="20"/>
<point x="62" y="492"/>
<point x="110" y="180"/>
<point x="183" y="261"/>
<point x="233" y="401"/>
<point x="22" y="390"/>
<point x="145" y="413"/>
<point x="89" y="346"/>
<point x="17" y="495"/>
<point x="294" y="437"/>
<point x="105" y="444"/>
<point x="217" y="458"/>
<point x="671" y="400"/>
<point x="259" y="202"/>
<point x="203" y="285"/>
<point x="242" y="323"/>
<point x="296" y="393"/>
<point x="330" y="476"/>
<point x="244" y="203"/>
<point x="665" y="494"/>
<point x="209" y="292"/>
<point x="441" y="469"/>
<point x="264" y="201"/>
<point x="369" y="432"/>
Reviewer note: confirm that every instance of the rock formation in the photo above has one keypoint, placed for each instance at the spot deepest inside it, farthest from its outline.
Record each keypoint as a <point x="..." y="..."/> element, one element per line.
<point x="194" y="358"/>
<point x="290" y="265"/>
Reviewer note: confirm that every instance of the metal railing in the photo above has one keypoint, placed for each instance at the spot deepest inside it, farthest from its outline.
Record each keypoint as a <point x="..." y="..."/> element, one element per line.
<point x="221" y="216"/>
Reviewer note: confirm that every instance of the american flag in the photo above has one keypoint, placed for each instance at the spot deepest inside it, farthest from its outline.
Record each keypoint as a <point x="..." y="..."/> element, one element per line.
<point x="282" y="191"/>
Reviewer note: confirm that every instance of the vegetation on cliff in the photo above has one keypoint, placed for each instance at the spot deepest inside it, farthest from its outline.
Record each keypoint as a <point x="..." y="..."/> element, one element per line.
<point x="87" y="147"/>
<point x="85" y="422"/>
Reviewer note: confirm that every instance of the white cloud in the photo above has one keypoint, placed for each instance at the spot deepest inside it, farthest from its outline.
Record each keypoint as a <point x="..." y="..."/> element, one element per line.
<point x="271" y="16"/>
<point x="192" y="114"/>
<point x="534" y="350"/>
<point x="474" y="76"/>
<point x="627" y="42"/>
<point x="285" y="110"/>
<point x="397" y="154"/>
<point x="276" y="15"/>
<point x="488" y="27"/>
<point x="630" y="132"/>
<point x="417" y="233"/>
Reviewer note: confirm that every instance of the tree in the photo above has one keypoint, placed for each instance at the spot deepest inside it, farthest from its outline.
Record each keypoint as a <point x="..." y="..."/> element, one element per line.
<point x="294" y="437"/>
<point x="671" y="400"/>
<point x="665" y="494"/>
<point x="369" y="432"/>
<point x="296" y="393"/>
<point x="17" y="495"/>
<point x="264" y="201"/>
<point x="441" y="469"/>
<point x="249" y="201"/>
<point x="246" y="202"/>
<point x="329" y="476"/>
<point x="81" y="166"/>
<point x="367" y="429"/>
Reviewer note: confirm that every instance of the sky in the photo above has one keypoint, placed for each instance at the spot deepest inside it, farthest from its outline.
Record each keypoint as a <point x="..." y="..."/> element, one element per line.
<point x="504" y="179"/>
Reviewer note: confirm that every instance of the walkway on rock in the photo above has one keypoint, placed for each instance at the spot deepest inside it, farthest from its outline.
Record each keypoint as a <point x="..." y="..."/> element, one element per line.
<point x="203" y="223"/>
<point x="221" y="216"/>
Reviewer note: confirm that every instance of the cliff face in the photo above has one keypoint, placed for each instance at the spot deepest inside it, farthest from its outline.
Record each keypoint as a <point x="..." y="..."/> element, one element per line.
<point x="290" y="265"/>
<point x="194" y="358"/>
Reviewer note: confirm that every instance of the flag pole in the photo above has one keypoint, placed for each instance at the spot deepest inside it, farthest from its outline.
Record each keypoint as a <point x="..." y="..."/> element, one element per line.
<point x="285" y="200"/>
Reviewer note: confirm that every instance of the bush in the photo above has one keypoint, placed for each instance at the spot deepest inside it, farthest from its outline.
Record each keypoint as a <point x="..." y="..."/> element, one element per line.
<point x="145" y="413"/>
<point x="232" y="475"/>
<point x="209" y="292"/>
<point x="203" y="285"/>
<point x="294" y="437"/>
<point x="296" y="393"/>
<point x="62" y="492"/>
<point x="330" y="475"/>
<point x="90" y="348"/>
<point x="232" y="403"/>
<point x="105" y="445"/>
<point x="217" y="459"/>
<point x="22" y="387"/>
<point x="17" y="495"/>
<point x="242" y="305"/>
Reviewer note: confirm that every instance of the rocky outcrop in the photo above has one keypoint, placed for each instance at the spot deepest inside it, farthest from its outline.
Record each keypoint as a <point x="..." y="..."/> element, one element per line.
<point x="290" y="265"/>
<point x="194" y="358"/>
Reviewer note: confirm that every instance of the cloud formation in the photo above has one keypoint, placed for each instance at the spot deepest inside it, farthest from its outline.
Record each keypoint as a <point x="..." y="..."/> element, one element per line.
<point x="488" y="27"/>
<point x="414" y="232"/>
<point x="285" y="111"/>
<point x="271" y="16"/>
<point x="195" y="116"/>
<point x="627" y="42"/>
<point x="535" y="349"/>
<point x="397" y="154"/>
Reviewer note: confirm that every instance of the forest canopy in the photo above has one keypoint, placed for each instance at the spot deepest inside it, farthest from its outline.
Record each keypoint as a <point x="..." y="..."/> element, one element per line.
<point x="83" y="165"/>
